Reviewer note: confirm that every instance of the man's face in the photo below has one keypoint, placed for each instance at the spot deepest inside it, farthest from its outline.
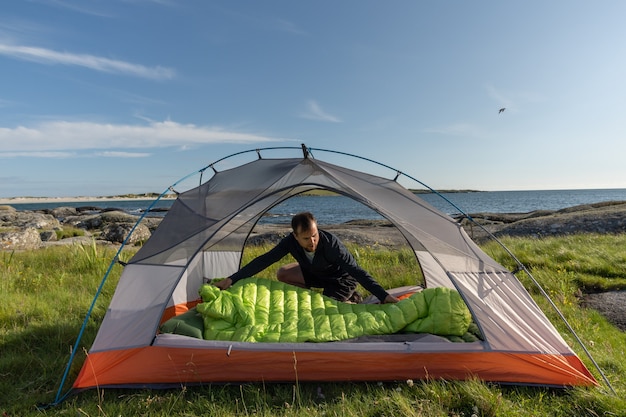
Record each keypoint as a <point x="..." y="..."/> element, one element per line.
<point x="308" y="239"/>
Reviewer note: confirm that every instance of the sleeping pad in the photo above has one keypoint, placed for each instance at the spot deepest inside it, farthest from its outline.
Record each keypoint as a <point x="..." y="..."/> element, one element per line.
<point x="262" y="310"/>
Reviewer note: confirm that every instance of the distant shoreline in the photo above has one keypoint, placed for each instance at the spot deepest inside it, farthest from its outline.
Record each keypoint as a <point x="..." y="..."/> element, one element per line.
<point x="40" y="200"/>
<point x="154" y="196"/>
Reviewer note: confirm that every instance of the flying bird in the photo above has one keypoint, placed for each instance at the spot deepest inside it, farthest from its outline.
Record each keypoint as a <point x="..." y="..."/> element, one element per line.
<point x="501" y="110"/>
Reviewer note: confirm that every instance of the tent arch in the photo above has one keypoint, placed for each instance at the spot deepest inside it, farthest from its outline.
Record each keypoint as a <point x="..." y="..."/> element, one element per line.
<point x="214" y="219"/>
<point x="314" y="187"/>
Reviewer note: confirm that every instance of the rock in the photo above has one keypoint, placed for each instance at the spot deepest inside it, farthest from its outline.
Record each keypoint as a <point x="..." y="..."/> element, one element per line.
<point x="92" y="221"/>
<point x="606" y="217"/>
<point x="114" y="225"/>
<point x="151" y="222"/>
<point x="63" y="212"/>
<point x="611" y="304"/>
<point x="25" y="219"/>
<point x="118" y="232"/>
<point x="75" y="240"/>
<point x="586" y="219"/>
<point x="25" y="239"/>
<point x="85" y="209"/>
<point x="117" y="216"/>
<point x="109" y="225"/>
<point x="48" y="236"/>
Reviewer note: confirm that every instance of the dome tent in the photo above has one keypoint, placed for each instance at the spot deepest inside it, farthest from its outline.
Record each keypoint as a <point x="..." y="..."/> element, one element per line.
<point x="202" y="237"/>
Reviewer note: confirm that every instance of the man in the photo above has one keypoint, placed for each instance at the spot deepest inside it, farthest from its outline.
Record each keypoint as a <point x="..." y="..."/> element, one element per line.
<point x="322" y="262"/>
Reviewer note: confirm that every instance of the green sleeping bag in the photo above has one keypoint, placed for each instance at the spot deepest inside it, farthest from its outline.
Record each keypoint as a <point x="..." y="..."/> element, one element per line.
<point x="262" y="310"/>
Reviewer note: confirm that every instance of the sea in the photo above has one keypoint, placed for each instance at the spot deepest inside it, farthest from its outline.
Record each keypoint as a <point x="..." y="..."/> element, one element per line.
<point x="340" y="209"/>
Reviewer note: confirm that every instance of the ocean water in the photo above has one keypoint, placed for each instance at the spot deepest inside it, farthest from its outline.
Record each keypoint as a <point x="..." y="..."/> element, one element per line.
<point x="129" y="206"/>
<point x="339" y="209"/>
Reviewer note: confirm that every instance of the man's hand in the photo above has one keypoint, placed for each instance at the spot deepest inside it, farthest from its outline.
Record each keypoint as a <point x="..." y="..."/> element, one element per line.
<point x="390" y="299"/>
<point x="223" y="284"/>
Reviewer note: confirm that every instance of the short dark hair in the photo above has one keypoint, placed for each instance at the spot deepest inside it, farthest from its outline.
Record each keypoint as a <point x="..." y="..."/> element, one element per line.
<point x="302" y="221"/>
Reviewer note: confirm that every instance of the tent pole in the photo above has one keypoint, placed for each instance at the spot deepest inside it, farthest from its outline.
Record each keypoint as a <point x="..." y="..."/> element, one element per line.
<point x="519" y="263"/>
<point x="60" y="397"/>
<point x="571" y="329"/>
<point x="522" y="267"/>
<point x="307" y="153"/>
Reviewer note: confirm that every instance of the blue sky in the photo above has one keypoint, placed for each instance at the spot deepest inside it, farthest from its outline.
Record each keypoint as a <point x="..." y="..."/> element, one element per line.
<point x="128" y="96"/>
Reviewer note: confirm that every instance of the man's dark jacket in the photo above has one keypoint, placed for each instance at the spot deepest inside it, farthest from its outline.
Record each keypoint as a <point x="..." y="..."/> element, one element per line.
<point x="332" y="263"/>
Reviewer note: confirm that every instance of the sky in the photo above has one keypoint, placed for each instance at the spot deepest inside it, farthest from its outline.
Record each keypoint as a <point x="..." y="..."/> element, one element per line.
<point x="110" y="97"/>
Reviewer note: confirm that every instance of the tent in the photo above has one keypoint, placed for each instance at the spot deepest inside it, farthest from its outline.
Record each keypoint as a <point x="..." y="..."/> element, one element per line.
<point x="202" y="237"/>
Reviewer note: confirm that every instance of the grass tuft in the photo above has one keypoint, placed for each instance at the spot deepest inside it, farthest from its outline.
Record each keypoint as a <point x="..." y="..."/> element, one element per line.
<point x="45" y="294"/>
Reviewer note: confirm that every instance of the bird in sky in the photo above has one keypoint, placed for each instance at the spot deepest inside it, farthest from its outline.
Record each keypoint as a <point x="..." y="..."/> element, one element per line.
<point x="501" y="110"/>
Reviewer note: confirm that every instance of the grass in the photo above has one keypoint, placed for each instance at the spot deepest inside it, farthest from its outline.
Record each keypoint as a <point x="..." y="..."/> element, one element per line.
<point x="68" y="232"/>
<point x="45" y="294"/>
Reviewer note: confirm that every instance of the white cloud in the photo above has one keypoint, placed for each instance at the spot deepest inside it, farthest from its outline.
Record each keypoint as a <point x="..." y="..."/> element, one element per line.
<point x="48" y="56"/>
<point x="79" y="7"/>
<point x="118" y="154"/>
<point x="315" y="112"/>
<point x="53" y="139"/>
<point x="6" y="155"/>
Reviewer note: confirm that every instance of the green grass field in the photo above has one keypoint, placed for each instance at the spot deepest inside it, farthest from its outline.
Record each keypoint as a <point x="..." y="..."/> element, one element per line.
<point x="45" y="294"/>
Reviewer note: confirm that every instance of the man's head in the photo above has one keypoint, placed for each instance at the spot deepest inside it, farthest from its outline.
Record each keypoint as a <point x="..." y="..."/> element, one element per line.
<point x="305" y="231"/>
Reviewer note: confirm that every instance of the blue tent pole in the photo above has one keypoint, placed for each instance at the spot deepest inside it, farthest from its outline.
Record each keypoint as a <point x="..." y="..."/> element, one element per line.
<point x="60" y="397"/>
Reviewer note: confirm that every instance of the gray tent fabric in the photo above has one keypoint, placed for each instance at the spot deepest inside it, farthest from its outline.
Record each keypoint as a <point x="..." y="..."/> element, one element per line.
<point x="203" y="235"/>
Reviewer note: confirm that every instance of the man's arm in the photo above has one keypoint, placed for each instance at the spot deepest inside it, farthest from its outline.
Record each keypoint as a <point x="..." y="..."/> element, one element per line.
<point x="256" y="265"/>
<point x="390" y="299"/>
<point x="347" y="262"/>
<point x="223" y="284"/>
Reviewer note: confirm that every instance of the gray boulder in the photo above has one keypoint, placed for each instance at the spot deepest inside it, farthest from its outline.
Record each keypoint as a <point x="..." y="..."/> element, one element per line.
<point x="48" y="236"/>
<point x="25" y="239"/>
<point x="61" y="213"/>
<point x="25" y="219"/>
<point x="98" y="220"/>
<point x="118" y="232"/>
<point x="19" y="227"/>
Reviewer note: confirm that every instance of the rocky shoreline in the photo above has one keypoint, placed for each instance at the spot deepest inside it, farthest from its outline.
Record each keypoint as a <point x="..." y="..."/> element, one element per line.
<point x="21" y="230"/>
<point x="27" y="230"/>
